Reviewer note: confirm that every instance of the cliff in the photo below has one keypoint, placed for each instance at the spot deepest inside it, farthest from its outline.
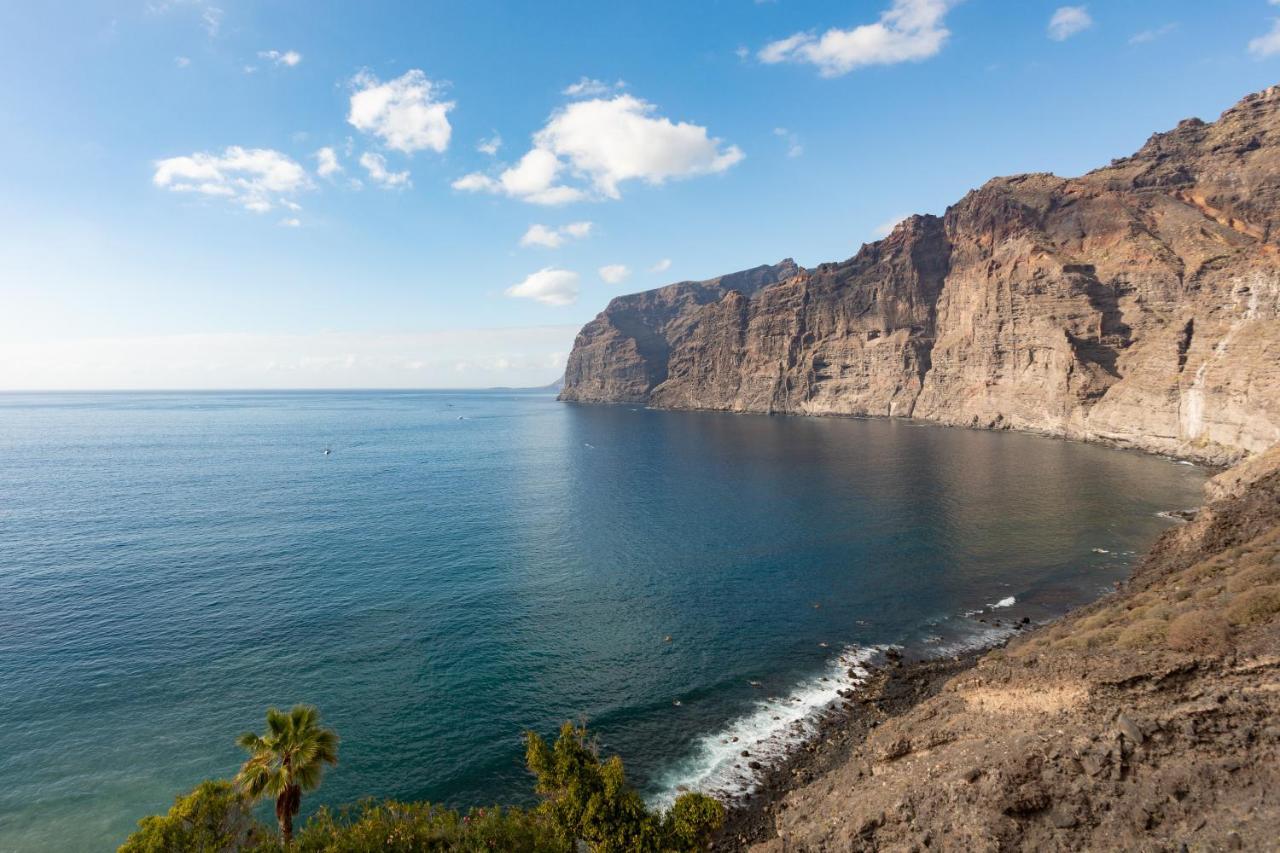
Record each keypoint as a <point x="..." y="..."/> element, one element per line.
<point x="1135" y="305"/>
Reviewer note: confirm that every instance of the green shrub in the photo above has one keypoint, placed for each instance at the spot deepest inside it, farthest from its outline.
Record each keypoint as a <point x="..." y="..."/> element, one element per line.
<point x="587" y="799"/>
<point x="213" y="817"/>
<point x="396" y="827"/>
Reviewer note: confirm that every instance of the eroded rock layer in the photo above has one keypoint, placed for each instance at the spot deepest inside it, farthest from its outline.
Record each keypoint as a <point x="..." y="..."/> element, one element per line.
<point x="1137" y="305"/>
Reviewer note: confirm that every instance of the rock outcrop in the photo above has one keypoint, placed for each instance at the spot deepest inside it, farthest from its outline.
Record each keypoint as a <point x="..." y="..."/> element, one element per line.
<point x="1137" y="305"/>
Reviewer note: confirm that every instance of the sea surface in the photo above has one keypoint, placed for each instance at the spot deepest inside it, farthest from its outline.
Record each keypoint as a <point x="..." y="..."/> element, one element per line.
<point x="462" y="567"/>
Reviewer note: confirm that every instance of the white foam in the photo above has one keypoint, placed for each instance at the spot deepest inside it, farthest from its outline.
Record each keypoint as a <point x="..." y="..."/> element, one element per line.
<point x="768" y="734"/>
<point x="981" y="637"/>
<point x="1008" y="601"/>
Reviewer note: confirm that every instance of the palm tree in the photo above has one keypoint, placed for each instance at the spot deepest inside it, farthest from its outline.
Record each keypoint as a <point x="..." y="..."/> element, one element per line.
<point x="287" y="760"/>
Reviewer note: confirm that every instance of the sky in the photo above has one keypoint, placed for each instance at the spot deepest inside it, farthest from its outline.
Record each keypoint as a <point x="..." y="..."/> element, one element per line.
<point x="307" y="194"/>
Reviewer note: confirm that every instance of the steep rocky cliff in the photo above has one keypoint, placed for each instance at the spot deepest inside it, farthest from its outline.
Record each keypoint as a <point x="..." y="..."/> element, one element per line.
<point x="1137" y="305"/>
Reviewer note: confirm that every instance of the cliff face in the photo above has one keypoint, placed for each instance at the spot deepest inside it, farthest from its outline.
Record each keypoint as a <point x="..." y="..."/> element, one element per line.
<point x="1138" y="305"/>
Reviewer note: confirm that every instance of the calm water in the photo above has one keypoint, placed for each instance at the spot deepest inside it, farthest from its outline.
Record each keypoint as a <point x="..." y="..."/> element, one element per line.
<point x="466" y="566"/>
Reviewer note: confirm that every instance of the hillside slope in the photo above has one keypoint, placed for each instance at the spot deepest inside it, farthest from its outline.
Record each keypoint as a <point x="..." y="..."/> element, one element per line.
<point x="1147" y="721"/>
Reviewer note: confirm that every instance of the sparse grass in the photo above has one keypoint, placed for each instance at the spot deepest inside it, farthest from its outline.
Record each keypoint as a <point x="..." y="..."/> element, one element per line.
<point x="1144" y="633"/>
<point x="1260" y="574"/>
<point x="1254" y="606"/>
<point x="1200" y="631"/>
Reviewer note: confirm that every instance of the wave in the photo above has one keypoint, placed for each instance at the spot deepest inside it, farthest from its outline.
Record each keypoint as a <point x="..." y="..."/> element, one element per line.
<point x="767" y="734"/>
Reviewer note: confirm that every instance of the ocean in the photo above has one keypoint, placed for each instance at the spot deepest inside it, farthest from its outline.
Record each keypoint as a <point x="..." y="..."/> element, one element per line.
<point x="463" y="566"/>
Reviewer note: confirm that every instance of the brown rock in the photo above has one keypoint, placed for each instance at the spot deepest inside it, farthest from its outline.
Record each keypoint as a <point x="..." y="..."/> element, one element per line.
<point x="1136" y="305"/>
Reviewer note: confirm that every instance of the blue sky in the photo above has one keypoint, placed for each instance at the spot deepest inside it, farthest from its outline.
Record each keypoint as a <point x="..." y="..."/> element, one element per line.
<point x="168" y="220"/>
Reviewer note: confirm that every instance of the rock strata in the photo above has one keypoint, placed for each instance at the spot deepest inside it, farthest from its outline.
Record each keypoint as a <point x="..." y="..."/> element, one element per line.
<point x="1137" y="305"/>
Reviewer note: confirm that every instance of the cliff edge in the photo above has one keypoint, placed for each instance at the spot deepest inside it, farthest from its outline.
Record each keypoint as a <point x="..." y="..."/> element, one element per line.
<point x="1137" y="305"/>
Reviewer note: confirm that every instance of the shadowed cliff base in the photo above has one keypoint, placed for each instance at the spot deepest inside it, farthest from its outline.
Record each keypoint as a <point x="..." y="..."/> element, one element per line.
<point x="1136" y="305"/>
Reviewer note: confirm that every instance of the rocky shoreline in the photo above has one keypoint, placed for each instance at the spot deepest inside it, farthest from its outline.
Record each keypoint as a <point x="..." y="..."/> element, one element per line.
<point x="891" y="687"/>
<point x="1144" y="720"/>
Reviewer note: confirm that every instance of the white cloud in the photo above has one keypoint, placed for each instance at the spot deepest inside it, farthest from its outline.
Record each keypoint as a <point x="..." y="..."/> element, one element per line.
<point x="587" y="87"/>
<point x="533" y="179"/>
<point x="1268" y="44"/>
<point x="549" y="286"/>
<point x="288" y="58"/>
<point x="661" y="266"/>
<point x="291" y="222"/>
<point x="1152" y="34"/>
<point x="405" y="113"/>
<point x="255" y="178"/>
<point x="884" y="229"/>
<point x="327" y="163"/>
<point x="376" y="166"/>
<point x="606" y="142"/>
<point x="182" y="61"/>
<point x="908" y="31"/>
<point x="527" y="356"/>
<point x="489" y="146"/>
<point x="614" y="273"/>
<point x="553" y="238"/>
<point x="211" y="18"/>
<point x="794" y="148"/>
<point x="210" y="15"/>
<point x="1067" y="21"/>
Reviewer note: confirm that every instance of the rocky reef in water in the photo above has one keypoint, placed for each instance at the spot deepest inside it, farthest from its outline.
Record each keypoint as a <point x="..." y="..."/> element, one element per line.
<point x="1137" y="305"/>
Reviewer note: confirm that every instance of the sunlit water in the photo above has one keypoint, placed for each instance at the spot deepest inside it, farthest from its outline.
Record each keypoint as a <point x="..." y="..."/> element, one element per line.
<point x="463" y="567"/>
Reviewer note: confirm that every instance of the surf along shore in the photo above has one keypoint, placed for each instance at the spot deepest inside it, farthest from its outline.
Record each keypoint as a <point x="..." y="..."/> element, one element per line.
<point x="1149" y="718"/>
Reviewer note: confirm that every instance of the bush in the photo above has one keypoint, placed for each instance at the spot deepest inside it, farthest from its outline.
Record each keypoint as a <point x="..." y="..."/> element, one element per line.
<point x="587" y="799"/>
<point x="1146" y="632"/>
<point x="397" y="827"/>
<point x="1255" y="605"/>
<point x="1265" y="574"/>
<point x="212" y="818"/>
<point x="1200" y="631"/>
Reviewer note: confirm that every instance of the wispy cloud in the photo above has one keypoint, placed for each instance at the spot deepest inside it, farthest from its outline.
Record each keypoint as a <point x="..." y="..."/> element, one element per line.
<point x="587" y="87"/>
<point x="661" y="266"/>
<point x="376" y="166"/>
<point x="288" y="58"/>
<point x="1269" y="44"/>
<point x="884" y="229"/>
<point x="258" y="179"/>
<point x="1152" y="34"/>
<point x="458" y="358"/>
<point x="490" y="145"/>
<point x="614" y="273"/>
<point x="1068" y="21"/>
<point x="794" y="148"/>
<point x="554" y="238"/>
<point x="908" y="31"/>
<point x="327" y="164"/>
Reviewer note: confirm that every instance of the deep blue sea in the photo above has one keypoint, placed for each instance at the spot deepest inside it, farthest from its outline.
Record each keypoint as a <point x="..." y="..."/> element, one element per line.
<point x="465" y="566"/>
